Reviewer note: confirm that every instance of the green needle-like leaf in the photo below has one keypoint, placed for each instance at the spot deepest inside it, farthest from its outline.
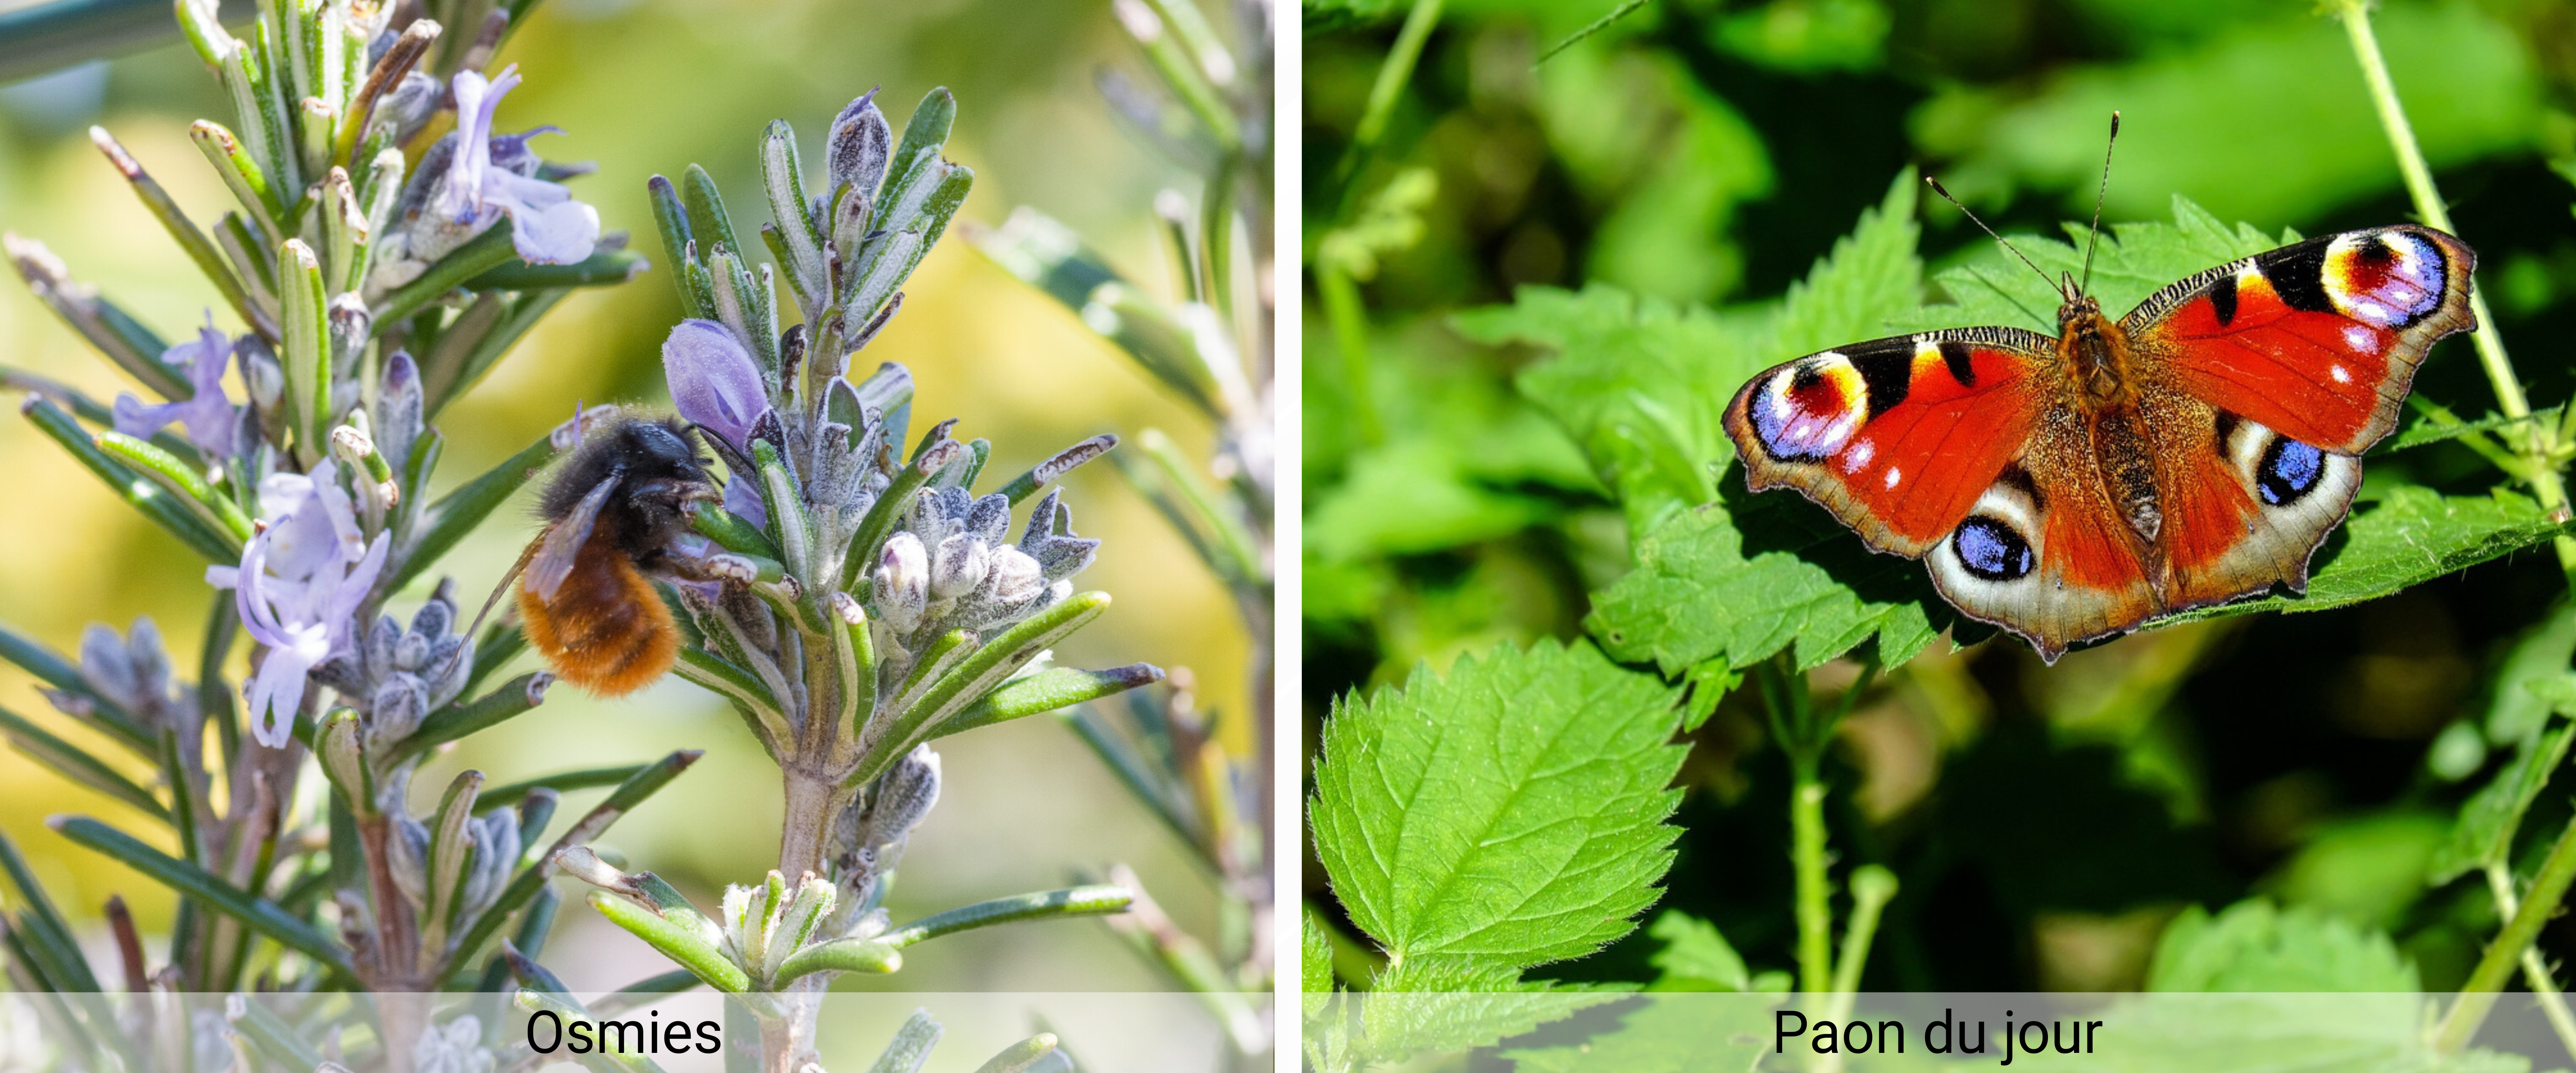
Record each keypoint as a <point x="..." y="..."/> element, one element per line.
<point x="514" y="698"/>
<point x="482" y="253"/>
<point x="259" y="914"/>
<point x="687" y="946"/>
<point x="101" y="713"/>
<point x="1046" y="691"/>
<point x="75" y="763"/>
<point x="155" y="502"/>
<point x="1506" y="815"/>
<point x="511" y="794"/>
<point x="459" y="511"/>
<point x="523" y="887"/>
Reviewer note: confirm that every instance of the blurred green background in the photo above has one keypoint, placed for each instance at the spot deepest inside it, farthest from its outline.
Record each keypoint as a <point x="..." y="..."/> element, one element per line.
<point x="2046" y="822"/>
<point x="647" y="86"/>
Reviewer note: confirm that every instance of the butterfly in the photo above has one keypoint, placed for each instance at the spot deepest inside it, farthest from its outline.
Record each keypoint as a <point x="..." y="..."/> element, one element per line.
<point x="2067" y="489"/>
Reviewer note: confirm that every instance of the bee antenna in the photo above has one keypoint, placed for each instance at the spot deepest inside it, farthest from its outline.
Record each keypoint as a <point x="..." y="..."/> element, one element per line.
<point x="2096" y="236"/>
<point x="1999" y="239"/>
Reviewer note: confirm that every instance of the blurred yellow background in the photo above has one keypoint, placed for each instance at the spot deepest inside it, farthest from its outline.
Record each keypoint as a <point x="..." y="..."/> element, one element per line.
<point x="647" y="87"/>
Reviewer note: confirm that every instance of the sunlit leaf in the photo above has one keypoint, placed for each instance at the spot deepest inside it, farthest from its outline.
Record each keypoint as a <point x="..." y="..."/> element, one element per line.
<point x="1505" y="815"/>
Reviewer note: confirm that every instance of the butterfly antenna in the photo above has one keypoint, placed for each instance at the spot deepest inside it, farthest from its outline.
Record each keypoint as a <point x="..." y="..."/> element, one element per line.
<point x="2095" y="237"/>
<point x="1999" y="239"/>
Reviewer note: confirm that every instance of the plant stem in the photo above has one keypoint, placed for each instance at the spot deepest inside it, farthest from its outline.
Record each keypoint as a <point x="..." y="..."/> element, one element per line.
<point x="2535" y="970"/>
<point x="2539" y="440"/>
<point x="1348" y="316"/>
<point x="1391" y="77"/>
<point x="814" y="799"/>
<point x="2478" y="997"/>
<point x="1815" y="886"/>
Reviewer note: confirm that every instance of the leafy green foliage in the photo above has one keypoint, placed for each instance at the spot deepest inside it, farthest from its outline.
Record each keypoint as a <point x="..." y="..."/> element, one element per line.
<point x="1506" y="815"/>
<point x="1667" y="1035"/>
<point x="2412" y="535"/>
<point x="1696" y="957"/>
<point x="2292" y="989"/>
<point x="1705" y="588"/>
<point x="2263" y="118"/>
<point x="1653" y="199"/>
<point x="2130" y="262"/>
<point x="2253" y="946"/>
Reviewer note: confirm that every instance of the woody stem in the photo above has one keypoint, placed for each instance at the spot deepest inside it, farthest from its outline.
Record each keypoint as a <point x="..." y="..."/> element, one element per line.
<point x="2539" y="441"/>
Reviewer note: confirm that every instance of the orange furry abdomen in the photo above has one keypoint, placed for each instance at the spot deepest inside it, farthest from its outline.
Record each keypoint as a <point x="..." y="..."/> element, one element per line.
<point x="606" y="630"/>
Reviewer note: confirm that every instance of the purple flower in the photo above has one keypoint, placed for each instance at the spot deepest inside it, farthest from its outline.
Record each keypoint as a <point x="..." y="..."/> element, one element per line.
<point x="715" y="384"/>
<point x="208" y="416"/>
<point x="713" y="380"/>
<point x="546" y="224"/>
<point x="297" y="589"/>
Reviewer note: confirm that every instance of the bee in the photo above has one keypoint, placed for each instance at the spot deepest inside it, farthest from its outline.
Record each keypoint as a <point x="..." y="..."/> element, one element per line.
<point x="611" y="512"/>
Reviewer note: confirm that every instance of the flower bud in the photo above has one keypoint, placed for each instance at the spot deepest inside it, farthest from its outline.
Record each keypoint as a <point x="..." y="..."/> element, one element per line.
<point x="379" y="648"/>
<point x="1013" y="588"/>
<point x="905" y="797"/>
<point x="398" y="410"/>
<point x="902" y="583"/>
<point x="958" y="566"/>
<point x="583" y="863"/>
<point x="407" y="857"/>
<point x="344" y="761"/>
<point x="400" y="702"/>
<point x="859" y="147"/>
<point x="349" y="324"/>
<point x="410" y="104"/>
<point x="260" y="371"/>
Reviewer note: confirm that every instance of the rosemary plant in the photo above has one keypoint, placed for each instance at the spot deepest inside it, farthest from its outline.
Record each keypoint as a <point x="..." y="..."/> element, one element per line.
<point x="1207" y="106"/>
<point x="860" y="601"/>
<point x="851" y="600"/>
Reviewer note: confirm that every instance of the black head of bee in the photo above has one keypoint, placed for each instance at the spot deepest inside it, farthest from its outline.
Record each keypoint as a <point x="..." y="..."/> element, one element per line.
<point x="658" y="471"/>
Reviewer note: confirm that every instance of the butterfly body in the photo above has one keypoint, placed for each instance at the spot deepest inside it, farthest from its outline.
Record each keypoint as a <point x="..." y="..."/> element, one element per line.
<point x="2195" y="451"/>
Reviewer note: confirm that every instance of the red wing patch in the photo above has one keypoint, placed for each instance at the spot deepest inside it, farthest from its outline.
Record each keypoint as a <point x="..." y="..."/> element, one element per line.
<point x="2318" y="340"/>
<point x="1897" y="437"/>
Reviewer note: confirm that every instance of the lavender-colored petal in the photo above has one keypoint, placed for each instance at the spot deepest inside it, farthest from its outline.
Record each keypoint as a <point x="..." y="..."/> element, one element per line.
<point x="745" y="501"/>
<point x="461" y="199"/>
<point x="140" y="419"/>
<point x="353" y="588"/>
<point x="713" y="380"/>
<point x="275" y="695"/>
<point x="559" y="234"/>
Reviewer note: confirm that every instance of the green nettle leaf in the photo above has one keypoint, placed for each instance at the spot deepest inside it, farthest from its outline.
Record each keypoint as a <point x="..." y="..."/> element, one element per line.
<point x="1506" y="815"/>
<point x="2490" y="817"/>
<point x="1705" y="588"/>
<point x="1398" y="1025"/>
<point x="1696" y="957"/>
<point x="2131" y="261"/>
<point x="2246" y="990"/>
<point x="2410" y="536"/>
<point x="1668" y="1035"/>
<point x="1642" y="384"/>
<point x="2252" y="946"/>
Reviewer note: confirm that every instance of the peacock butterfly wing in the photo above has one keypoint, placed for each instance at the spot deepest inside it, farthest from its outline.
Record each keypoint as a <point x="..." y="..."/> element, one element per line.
<point x="2268" y="377"/>
<point x="2317" y="340"/>
<point x="1896" y="437"/>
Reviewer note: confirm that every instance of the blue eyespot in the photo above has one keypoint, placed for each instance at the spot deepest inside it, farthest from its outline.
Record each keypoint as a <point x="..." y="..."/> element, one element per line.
<point x="2289" y="471"/>
<point x="1991" y="550"/>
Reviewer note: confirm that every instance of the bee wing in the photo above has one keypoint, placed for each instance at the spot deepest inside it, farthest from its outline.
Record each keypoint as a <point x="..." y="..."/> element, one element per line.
<point x="553" y="562"/>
